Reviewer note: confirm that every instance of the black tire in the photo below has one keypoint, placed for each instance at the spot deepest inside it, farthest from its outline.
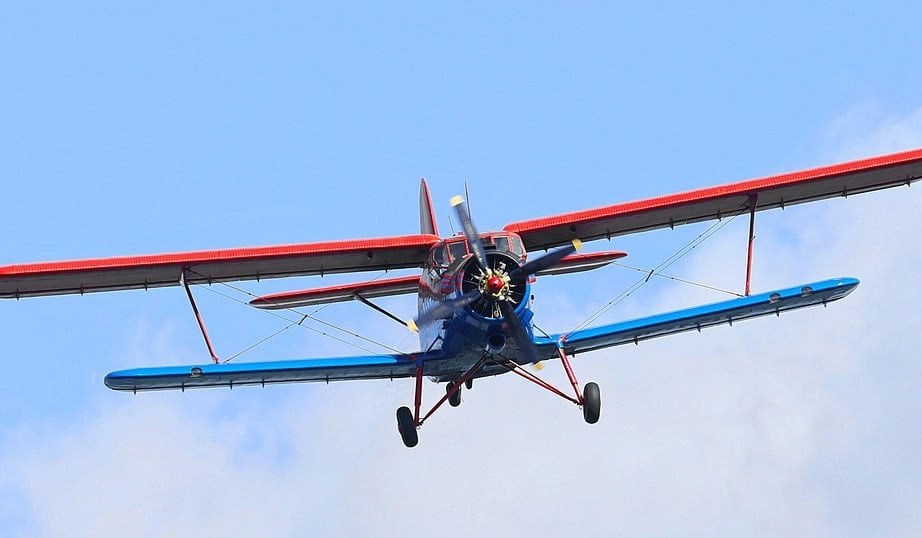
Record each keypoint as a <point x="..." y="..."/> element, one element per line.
<point x="592" y="403"/>
<point x="469" y="383"/>
<point x="455" y="399"/>
<point x="407" y="427"/>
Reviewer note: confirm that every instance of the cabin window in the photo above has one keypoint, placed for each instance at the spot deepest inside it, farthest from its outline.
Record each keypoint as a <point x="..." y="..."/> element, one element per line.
<point x="502" y="243"/>
<point x="440" y="256"/>
<point x="515" y="245"/>
<point x="458" y="250"/>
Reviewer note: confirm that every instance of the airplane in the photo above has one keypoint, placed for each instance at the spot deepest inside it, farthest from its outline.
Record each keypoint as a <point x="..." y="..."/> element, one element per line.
<point x="474" y="292"/>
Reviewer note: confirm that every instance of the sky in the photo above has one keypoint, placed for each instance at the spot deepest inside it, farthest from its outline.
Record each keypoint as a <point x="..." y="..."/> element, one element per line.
<point x="133" y="129"/>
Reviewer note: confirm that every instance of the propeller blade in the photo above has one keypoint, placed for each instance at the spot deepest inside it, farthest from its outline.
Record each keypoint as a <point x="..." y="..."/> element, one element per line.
<point x="516" y="329"/>
<point x="445" y="310"/>
<point x="473" y="239"/>
<point x="547" y="261"/>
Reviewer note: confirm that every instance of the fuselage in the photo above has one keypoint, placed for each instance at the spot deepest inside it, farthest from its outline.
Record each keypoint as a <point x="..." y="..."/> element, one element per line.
<point x="449" y="272"/>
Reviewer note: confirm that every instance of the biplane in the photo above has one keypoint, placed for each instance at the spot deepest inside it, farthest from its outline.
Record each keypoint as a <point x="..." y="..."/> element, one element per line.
<point x="474" y="292"/>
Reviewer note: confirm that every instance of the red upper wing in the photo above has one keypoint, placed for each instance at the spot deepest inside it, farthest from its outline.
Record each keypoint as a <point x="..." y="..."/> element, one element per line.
<point x="714" y="202"/>
<point x="142" y="272"/>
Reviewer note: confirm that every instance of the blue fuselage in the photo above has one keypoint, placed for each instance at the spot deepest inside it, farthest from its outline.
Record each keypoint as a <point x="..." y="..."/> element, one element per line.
<point x="477" y="329"/>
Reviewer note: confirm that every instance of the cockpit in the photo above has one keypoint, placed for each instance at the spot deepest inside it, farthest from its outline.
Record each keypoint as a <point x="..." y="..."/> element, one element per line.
<point x="453" y="248"/>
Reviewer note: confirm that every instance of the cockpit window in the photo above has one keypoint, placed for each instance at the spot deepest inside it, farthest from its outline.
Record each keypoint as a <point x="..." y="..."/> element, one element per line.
<point x="440" y="256"/>
<point x="457" y="249"/>
<point x="515" y="245"/>
<point x="501" y="242"/>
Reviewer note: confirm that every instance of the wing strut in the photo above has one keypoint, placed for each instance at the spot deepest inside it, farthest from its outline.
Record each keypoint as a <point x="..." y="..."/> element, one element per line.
<point x="366" y="302"/>
<point x="753" y="200"/>
<point x="198" y="316"/>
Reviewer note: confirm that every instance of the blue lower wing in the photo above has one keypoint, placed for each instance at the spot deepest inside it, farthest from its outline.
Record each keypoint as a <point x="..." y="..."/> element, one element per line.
<point x="263" y="373"/>
<point x="400" y="366"/>
<point x="696" y="318"/>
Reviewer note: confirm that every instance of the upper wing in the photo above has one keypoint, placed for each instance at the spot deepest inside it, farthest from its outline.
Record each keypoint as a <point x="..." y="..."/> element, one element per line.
<point x="142" y="272"/>
<point x="712" y="203"/>
<point x="633" y="331"/>
<point x="262" y="373"/>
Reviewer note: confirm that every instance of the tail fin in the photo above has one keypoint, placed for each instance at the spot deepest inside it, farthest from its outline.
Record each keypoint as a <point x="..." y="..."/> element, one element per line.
<point x="427" y="223"/>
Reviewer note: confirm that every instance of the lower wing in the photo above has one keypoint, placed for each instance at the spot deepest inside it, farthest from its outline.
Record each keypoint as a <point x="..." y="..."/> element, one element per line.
<point x="404" y="365"/>
<point x="263" y="373"/>
<point x="696" y="318"/>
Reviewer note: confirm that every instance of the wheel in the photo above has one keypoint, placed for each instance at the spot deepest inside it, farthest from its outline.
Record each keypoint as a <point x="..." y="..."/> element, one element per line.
<point x="407" y="427"/>
<point x="455" y="399"/>
<point x="469" y="383"/>
<point x="592" y="403"/>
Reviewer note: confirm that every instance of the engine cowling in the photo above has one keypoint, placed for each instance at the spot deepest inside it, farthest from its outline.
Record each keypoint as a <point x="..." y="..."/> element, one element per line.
<point x="495" y="284"/>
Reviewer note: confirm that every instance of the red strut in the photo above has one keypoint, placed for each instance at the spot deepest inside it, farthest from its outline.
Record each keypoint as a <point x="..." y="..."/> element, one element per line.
<point x="570" y="375"/>
<point x="753" y="198"/>
<point x="418" y="399"/>
<point x="198" y="317"/>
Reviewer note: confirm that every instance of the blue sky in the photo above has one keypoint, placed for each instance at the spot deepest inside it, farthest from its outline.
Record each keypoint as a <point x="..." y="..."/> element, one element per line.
<point x="174" y="127"/>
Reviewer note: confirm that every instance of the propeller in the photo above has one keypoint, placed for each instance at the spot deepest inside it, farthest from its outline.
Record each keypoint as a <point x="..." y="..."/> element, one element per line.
<point x="547" y="261"/>
<point x="473" y="239"/>
<point x="445" y="310"/>
<point x="495" y="285"/>
<point x="516" y="329"/>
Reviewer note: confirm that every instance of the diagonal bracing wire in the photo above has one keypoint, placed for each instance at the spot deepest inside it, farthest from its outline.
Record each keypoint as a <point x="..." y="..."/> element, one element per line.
<point x="676" y="256"/>
<point x="296" y="322"/>
<point x="677" y="279"/>
<point x="292" y="323"/>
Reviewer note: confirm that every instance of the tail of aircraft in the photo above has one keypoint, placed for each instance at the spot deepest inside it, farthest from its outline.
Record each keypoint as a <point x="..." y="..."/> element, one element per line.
<point x="427" y="222"/>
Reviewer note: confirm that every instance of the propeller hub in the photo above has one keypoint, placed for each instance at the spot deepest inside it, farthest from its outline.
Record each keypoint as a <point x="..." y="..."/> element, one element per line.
<point x="495" y="284"/>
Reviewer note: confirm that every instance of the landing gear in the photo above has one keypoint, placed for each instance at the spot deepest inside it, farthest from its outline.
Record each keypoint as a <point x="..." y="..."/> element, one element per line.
<point x="407" y="427"/>
<point x="469" y="383"/>
<point x="592" y="403"/>
<point x="454" y="398"/>
<point x="410" y="420"/>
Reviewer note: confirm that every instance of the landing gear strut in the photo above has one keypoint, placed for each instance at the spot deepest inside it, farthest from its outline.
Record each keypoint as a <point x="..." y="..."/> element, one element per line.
<point x="408" y="421"/>
<point x="589" y="399"/>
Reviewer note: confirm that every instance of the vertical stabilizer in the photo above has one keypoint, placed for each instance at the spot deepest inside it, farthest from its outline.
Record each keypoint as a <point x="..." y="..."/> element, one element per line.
<point x="427" y="224"/>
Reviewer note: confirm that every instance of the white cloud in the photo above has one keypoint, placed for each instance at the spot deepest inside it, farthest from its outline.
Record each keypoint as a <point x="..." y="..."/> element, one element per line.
<point x="867" y="130"/>
<point x="802" y="425"/>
